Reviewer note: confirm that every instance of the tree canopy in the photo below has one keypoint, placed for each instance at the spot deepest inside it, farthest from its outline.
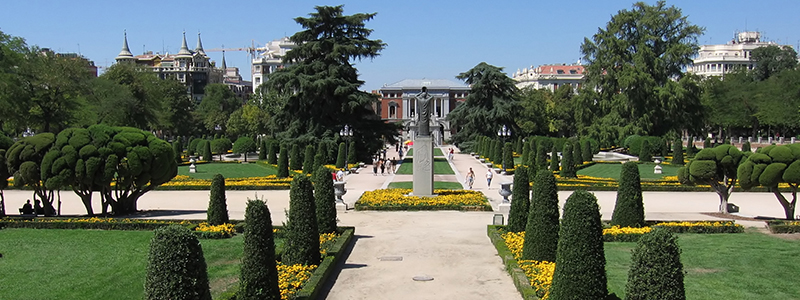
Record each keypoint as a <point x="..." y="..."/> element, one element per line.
<point x="716" y="167"/>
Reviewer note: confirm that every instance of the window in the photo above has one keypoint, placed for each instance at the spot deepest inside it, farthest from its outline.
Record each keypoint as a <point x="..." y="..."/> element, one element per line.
<point x="573" y="72"/>
<point x="560" y="71"/>
<point x="392" y="111"/>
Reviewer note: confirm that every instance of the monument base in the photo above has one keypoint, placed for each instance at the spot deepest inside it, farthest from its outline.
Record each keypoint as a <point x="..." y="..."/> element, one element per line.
<point x="504" y="208"/>
<point x="423" y="166"/>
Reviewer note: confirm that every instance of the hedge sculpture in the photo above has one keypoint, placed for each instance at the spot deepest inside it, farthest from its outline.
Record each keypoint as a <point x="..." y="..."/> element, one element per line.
<point x="520" y="201"/>
<point x="176" y="268"/>
<point x="716" y="167"/>
<point x="770" y="166"/>
<point x="258" y="278"/>
<point x="656" y="270"/>
<point x="302" y="242"/>
<point x="541" y="232"/>
<point x="629" y="208"/>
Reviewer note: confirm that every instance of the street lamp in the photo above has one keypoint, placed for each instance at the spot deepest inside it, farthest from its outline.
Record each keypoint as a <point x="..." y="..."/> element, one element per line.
<point x="346" y="133"/>
<point x="28" y="132"/>
<point x="503" y="133"/>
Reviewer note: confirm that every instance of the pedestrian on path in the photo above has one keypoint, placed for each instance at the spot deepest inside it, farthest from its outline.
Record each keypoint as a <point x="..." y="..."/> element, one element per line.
<point x="382" y="163"/>
<point x="390" y="166"/>
<point x="450" y="155"/>
<point x="375" y="163"/>
<point x="470" y="178"/>
<point x="489" y="178"/>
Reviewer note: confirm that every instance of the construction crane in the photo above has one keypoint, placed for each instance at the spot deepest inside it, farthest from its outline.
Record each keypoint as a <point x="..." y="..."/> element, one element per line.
<point x="252" y="50"/>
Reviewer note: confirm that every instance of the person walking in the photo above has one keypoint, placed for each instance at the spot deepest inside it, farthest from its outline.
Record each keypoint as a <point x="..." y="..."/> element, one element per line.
<point x="489" y="178"/>
<point x="383" y="166"/>
<point x="375" y="163"/>
<point x="470" y="178"/>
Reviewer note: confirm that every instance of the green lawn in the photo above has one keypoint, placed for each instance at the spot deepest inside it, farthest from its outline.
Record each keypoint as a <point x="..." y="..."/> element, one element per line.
<point x="95" y="264"/>
<point x="436" y="152"/>
<point x="612" y="171"/>
<point x="439" y="185"/>
<point x="440" y="166"/>
<point x="229" y="170"/>
<point x="724" y="266"/>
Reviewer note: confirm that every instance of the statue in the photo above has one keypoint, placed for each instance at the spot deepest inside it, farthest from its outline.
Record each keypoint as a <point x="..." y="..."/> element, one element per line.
<point x="424" y="114"/>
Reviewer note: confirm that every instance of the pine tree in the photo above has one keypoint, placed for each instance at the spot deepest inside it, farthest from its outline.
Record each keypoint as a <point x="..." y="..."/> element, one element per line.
<point x="554" y="160"/>
<point x="176" y="268"/>
<point x="656" y="270"/>
<point x="262" y="150"/>
<point x="308" y="160"/>
<point x="567" y="164"/>
<point x="677" y="152"/>
<point x="258" y="278"/>
<point x="302" y="242"/>
<point x="341" y="156"/>
<point x="520" y="201"/>
<point x="217" y="213"/>
<point x="325" y="199"/>
<point x="541" y="232"/>
<point x="272" y="149"/>
<point x="629" y="208"/>
<point x="295" y="158"/>
<point x="580" y="271"/>
<point x="283" y="163"/>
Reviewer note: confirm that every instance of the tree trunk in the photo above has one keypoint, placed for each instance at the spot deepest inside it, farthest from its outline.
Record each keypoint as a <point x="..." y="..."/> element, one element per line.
<point x="2" y="203"/>
<point x="788" y="207"/>
<point x="723" y="203"/>
<point x="87" y="202"/>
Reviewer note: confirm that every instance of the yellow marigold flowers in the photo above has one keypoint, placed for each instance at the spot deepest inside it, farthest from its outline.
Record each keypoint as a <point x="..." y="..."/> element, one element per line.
<point x="626" y="230"/>
<point x="291" y="278"/>
<point x="326" y="240"/>
<point x="399" y="198"/>
<point x="226" y="229"/>
<point x="540" y="274"/>
<point x="702" y="223"/>
<point x="514" y="241"/>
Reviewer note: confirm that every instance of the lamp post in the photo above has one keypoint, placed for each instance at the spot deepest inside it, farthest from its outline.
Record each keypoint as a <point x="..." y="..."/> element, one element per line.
<point x="346" y="133"/>
<point x="28" y="132"/>
<point x="503" y="133"/>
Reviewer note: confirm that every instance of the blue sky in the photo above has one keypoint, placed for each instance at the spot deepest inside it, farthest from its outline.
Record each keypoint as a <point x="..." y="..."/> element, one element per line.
<point x="430" y="39"/>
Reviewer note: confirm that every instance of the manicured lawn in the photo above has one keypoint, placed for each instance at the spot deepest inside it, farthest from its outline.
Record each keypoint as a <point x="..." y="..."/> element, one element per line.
<point x="95" y="264"/>
<point x="436" y="152"/>
<point x="440" y="166"/>
<point x="751" y="265"/>
<point x="229" y="170"/>
<point x="612" y="171"/>
<point x="438" y="185"/>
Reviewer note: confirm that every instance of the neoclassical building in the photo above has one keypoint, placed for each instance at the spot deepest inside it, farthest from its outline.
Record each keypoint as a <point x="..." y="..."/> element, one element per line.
<point x="550" y="76"/>
<point x="716" y="60"/>
<point x="269" y="58"/>
<point x="193" y="68"/>
<point x="398" y="104"/>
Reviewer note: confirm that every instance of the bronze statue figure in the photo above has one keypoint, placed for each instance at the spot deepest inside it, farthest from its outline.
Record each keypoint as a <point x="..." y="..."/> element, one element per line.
<point x="424" y="114"/>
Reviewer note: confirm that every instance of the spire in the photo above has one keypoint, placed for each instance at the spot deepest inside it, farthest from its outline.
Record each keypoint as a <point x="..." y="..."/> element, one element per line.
<point x="199" y="48"/>
<point x="184" y="49"/>
<point x="224" y="66"/>
<point x="126" y="52"/>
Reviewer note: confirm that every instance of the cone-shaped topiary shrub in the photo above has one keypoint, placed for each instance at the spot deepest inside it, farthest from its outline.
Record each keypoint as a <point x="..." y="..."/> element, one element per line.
<point x="526" y="154"/>
<point x="308" y="160"/>
<point x="207" y="155"/>
<point x="746" y="147"/>
<point x="567" y="165"/>
<point x="295" y="158"/>
<point x="520" y="201"/>
<point x="577" y="156"/>
<point x="302" y="238"/>
<point x="554" y="160"/>
<point x="677" y="152"/>
<point x="283" y="163"/>
<point x="497" y="155"/>
<point x="646" y="152"/>
<point x="351" y="153"/>
<point x="340" y="157"/>
<point x="262" y="150"/>
<point x="656" y="270"/>
<point x="325" y="199"/>
<point x="258" y="278"/>
<point x="587" y="153"/>
<point x="532" y="155"/>
<point x="508" y="156"/>
<point x="541" y="232"/>
<point x="272" y="152"/>
<point x="541" y="155"/>
<point x="176" y="268"/>
<point x="319" y="158"/>
<point x="217" y="207"/>
<point x="629" y="208"/>
<point x="176" y="147"/>
<point x="580" y="271"/>
<point x="191" y="147"/>
<point x="690" y="149"/>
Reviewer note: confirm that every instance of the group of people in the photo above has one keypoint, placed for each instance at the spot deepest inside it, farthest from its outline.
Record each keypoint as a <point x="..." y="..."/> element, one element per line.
<point x="471" y="178"/>
<point x="385" y="165"/>
<point x="28" y="209"/>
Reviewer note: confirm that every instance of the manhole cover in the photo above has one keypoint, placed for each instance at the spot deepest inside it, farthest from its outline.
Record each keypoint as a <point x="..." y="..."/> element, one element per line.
<point x="390" y="258"/>
<point x="422" y="278"/>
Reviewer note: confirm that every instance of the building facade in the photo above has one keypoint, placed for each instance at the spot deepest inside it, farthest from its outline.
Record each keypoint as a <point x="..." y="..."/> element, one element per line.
<point x="716" y="60"/>
<point x="268" y="59"/>
<point x="398" y="104"/>
<point x="231" y="77"/>
<point x="193" y="68"/>
<point x="550" y="76"/>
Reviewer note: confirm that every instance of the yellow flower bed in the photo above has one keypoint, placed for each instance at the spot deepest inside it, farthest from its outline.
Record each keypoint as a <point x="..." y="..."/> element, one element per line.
<point x="696" y="224"/>
<point x="271" y="181"/>
<point x="398" y="199"/>
<point x="226" y="229"/>
<point x="291" y="278"/>
<point x="96" y="220"/>
<point x="540" y="273"/>
<point x="326" y="240"/>
<point x="614" y="230"/>
<point x="514" y="242"/>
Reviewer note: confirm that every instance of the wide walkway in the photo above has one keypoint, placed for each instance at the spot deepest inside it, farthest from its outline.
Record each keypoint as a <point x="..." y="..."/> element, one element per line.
<point x="393" y="247"/>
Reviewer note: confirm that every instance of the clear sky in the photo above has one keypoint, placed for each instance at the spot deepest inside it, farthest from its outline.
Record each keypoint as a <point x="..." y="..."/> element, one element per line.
<point x="426" y="39"/>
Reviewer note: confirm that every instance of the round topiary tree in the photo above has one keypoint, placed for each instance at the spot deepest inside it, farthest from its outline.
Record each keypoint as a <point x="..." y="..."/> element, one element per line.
<point x="656" y="270"/>
<point x="308" y="160"/>
<point x="325" y="199"/>
<point x="217" y="207"/>
<point x="272" y="152"/>
<point x="520" y="201"/>
<point x="629" y="208"/>
<point x="554" y="160"/>
<point x="283" y="163"/>
<point x="244" y="145"/>
<point x="295" y="158"/>
<point x="262" y="150"/>
<point x="716" y="167"/>
<point x="221" y="146"/>
<point x="567" y="165"/>
<point x="541" y="232"/>
<point x="207" y="154"/>
<point x="580" y="271"/>
<point x="677" y="152"/>
<point x="258" y="278"/>
<point x="340" y="157"/>
<point x="302" y="238"/>
<point x="645" y="152"/>
<point x="770" y="167"/>
<point x="176" y="268"/>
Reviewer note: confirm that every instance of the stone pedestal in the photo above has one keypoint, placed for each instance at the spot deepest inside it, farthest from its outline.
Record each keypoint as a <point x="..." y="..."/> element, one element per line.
<point x="341" y="207"/>
<point x="504" y="208"/>
<point x="423" y="166"/>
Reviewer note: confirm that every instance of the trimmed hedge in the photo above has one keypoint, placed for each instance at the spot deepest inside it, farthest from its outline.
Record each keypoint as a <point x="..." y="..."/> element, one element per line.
<point x="295" y="158"/>
<point x="217" y="213"/>
<point x="520" y="200"/>
<point x="784" y="226"/>
<point x="308" y="160"/>
<point x="259" y="272"/>
<point x="543" y="220"/>
<point x="302" y="245"/>
<point x="325" y="199"/>
<point x="283" y="163"/>
<point x="92" y="223"/>
<point x="567" y="162"/>
<point x="176" y="268"/>
<point x="629" y="207"/>
<point x="341" y="156"/>
<point x="656" y="270"/>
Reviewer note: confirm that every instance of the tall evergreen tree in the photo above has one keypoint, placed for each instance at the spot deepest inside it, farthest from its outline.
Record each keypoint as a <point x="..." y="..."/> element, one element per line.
<point x="176" y="268"/>
<point x="283" y="163"/>
<point x="567" y="164"/>
<point x="580" y="271"/>
<point x="541" y="232"/>
<point x="217" y="213"/>
<point x="308" y="160"/>
<point x="656" y="270"/>
<point x="258" y="278"/>
<point x="677" y="152"/>
<point x="629" y="208"/>
<point x="321" y="83"/>
<point x="325" y="200"/>
<point x="520" y="201"/>
<point x="302" y="242"/>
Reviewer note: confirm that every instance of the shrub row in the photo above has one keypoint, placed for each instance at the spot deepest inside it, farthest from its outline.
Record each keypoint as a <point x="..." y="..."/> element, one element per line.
<point x="92" y="223"/>
<point x="784" y="226"/>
